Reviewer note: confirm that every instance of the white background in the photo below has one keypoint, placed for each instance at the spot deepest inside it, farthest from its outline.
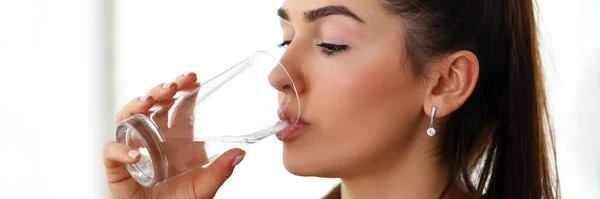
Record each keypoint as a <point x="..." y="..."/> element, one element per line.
<point x="66" y="66"/>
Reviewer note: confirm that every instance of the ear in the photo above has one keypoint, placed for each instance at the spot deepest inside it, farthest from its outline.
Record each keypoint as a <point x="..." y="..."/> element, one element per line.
<point x="454" y="79"/>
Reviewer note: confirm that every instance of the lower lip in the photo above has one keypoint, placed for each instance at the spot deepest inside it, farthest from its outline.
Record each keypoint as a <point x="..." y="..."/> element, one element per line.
<point x="291" y="132"/>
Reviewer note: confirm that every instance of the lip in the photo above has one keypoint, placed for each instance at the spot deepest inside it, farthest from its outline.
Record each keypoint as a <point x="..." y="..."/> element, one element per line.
<point x="291" y="132"/>
<point x="294" y="130"/>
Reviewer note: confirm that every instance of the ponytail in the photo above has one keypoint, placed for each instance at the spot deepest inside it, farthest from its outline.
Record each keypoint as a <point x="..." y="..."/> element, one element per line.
<point x="525" y="150"/>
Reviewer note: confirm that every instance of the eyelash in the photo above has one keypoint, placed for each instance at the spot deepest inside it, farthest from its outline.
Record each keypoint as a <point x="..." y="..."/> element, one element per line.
<point x="331" y="49"/>
<point x="327" y="48"/>
<point x="285" y="44"/>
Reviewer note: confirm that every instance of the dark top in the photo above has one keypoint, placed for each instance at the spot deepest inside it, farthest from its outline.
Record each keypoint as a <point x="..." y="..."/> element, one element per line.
<point x="336" y="193"/>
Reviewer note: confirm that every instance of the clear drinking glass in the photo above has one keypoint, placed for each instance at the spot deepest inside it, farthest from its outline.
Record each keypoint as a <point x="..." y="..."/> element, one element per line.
<point x="234" y="109"/>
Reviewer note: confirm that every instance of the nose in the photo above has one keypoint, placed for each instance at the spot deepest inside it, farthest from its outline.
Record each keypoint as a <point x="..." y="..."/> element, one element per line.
<point x="286" y="76"/>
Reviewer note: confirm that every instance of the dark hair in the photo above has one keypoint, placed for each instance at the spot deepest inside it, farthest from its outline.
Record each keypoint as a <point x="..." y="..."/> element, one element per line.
<point x="501" y="135"/>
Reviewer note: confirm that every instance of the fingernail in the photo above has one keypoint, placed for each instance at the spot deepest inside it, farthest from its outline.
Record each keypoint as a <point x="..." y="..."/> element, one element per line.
<point x="145" y="98"/>
<point x="133" y="154"/>
<point x="167" y="85"/>
<point x="188" y="73"/>
<point x="237" y="160"/>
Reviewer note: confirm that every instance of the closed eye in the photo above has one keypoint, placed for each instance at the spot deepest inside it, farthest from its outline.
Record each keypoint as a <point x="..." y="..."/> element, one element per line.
<point x="327" y="48"/>
<point x="331" y="49"/>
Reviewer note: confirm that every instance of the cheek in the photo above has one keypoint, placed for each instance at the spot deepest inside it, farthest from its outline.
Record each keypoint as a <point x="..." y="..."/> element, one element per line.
<point x="359" y="110"/>
<point x="360" y="98"/>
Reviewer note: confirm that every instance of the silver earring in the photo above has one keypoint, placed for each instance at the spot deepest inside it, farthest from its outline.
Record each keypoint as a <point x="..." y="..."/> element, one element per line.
<point x="431" y="130"/>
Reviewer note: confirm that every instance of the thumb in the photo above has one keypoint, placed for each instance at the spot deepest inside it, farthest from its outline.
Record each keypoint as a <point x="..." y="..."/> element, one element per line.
<point x="211" y="178"/>
<point x="115" y="156"/>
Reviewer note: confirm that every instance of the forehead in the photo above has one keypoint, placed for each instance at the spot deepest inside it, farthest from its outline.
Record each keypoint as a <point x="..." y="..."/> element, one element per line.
<point x="370" y="11"/>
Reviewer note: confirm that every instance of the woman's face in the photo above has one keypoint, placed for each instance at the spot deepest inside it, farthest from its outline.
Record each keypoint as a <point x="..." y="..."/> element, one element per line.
<point x="359" y="100"/>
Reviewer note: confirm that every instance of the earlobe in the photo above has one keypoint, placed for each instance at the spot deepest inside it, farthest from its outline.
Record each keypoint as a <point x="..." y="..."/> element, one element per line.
<point x="456" y="77"/>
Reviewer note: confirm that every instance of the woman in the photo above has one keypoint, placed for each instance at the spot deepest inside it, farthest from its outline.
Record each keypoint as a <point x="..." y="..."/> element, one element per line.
<point x="400" y="99"/>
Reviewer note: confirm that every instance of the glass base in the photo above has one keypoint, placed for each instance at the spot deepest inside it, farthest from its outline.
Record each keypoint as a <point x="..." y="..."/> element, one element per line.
<point x="140" y="133"/>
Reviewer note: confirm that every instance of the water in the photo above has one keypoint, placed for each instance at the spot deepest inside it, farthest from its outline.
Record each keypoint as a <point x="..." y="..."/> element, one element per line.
<point x="211" y="148"/>
<point x="215" y="148"/>
<point x="219" y="145"/>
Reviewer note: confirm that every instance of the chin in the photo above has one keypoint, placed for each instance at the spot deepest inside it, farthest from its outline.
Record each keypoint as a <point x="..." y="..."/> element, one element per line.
<point x="300" y="170"/>
<point x="301" y="163"/>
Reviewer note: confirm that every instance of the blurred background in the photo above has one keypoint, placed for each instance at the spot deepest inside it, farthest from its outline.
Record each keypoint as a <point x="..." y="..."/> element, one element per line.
<point x="67" y="66"/>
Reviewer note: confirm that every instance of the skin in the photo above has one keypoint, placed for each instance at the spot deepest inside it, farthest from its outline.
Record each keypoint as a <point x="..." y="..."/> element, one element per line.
<point x="366" y="113"/>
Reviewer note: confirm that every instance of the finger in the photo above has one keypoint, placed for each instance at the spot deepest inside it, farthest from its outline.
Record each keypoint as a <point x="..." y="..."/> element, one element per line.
<point x="186" y="81"/>
<point x="164" y="91"/>
<point x="187" y="160"/>
<point x="182" y="119"/>
<point x="182" y="109"/>
<point x="139" y="105"/>
<point x="115" y="156"/>
<point x="210" y="179"/>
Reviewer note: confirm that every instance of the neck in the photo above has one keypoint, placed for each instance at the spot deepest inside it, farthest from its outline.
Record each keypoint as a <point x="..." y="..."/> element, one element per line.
<point x="418" y="174"/>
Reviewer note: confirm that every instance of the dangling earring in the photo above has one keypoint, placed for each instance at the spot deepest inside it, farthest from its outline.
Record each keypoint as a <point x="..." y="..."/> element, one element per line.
<point x="431" y="130"/>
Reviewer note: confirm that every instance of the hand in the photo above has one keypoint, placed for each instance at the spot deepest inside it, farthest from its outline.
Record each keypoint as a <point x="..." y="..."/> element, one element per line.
<point x="197" y="183"/>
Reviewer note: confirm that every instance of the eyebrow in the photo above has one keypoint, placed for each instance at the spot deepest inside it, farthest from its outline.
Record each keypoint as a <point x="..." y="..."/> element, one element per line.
<point x="313" y="15"/>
